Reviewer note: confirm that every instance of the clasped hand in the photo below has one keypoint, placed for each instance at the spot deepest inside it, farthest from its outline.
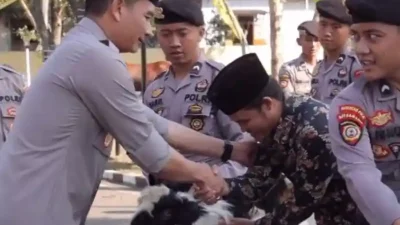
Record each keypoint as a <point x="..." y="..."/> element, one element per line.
<point x="212" y="191"/>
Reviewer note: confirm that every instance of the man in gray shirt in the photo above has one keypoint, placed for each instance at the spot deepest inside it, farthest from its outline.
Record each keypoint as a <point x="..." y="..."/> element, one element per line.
<point x="53" y="161"/>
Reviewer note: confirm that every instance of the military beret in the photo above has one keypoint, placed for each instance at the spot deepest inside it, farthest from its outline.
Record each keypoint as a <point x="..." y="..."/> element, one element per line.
<point x="364" y="11"/>
<point x="311" y="27"/>
<point x="239" y="83"/>
<point x="335" y="10"/>
<point x="178" y="11"/>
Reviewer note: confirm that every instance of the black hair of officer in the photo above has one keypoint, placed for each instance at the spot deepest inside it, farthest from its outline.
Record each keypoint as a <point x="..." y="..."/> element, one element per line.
<point x="243" y="84"/>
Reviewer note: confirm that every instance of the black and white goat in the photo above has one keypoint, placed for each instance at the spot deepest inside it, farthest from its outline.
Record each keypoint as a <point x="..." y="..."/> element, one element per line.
<point x="159" y="205"/>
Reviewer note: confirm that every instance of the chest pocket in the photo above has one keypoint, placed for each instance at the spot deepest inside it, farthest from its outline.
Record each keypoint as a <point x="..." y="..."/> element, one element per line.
<point x="199" y="117"/>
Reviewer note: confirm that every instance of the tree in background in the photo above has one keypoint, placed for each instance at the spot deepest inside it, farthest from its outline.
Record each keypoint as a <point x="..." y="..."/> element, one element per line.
<point x="275" y="12"/>
<point x="217" y="31"/>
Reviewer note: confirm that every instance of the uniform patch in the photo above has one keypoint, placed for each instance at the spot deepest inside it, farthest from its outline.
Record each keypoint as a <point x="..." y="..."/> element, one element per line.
<point x="395" y="148"/>
<point x="358" y="73"/>
<point x="342" y="72"/>
<point x="352" y="120"/>
<point x="380" y="151"/>
<point x="313" y="92"/>
<point x="195" y="109"/>
<point x="197" y="124"/>
<point x="201" y="86"/>
<point x="157" y="92"/>
<point x="381" y="118"/>
<point x="159" y="111"/>
<point x="335" y="92"/>
<point x="107" y="140"/>
<point x="12" y="111"/>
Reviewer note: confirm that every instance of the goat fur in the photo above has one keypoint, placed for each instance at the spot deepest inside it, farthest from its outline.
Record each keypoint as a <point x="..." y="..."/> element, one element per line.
<point x="159" y="205"/>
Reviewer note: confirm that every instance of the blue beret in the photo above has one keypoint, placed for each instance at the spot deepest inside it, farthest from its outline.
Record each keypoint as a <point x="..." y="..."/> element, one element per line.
<point x="335" y="10"/>
<point x="384" y="11"/>
<point x="178" y="11"/>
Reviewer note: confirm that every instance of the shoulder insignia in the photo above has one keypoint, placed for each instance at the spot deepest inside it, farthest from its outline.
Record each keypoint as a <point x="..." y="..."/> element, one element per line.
<point x="196" y="68"/>
<point x="161" y="75"/>
<point x="341" y="59"/>
<point x="351" y="121"/>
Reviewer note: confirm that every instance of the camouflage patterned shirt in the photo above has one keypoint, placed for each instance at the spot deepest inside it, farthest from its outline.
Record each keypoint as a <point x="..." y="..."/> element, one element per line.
<point x="300" y="149"/>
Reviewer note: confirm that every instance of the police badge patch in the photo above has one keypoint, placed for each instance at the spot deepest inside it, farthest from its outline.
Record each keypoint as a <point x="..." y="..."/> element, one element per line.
<point x="380" y="151"/>
<point x="197" y="124"/>
<point x="395" y="148"/>
<point x="157" y="92"/>
<point x="201" y="86"/>
<point x="352" y="120"/>
<point x="12" y="111"/>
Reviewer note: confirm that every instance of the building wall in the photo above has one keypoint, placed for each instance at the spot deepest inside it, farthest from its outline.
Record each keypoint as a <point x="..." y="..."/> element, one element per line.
<point x="5" y="35"/>
<point x="294" y="13"/>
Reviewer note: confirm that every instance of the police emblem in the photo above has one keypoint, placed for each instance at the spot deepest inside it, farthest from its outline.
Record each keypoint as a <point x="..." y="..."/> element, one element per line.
<point x="195" y="109"/>
<point x="351" y="120"/>
<point x="107" y="140"/>
<point x="395" y="148"/>
<point x="157" y="92"/>
<point x="197" y="124"/>
<point x="381" y="118"/>
<point x="201" y="86"/>
<point x="313" y="92"/>
<point x="380" y="151"/>
<point x="158" y="13"/>
<point x="342" y="72"/>
<point x="12" y="111"/>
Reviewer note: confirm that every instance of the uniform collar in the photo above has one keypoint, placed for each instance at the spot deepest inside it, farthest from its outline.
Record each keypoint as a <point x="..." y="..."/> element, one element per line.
<point x="96" y="31"/>
<point x="196" y="69"/>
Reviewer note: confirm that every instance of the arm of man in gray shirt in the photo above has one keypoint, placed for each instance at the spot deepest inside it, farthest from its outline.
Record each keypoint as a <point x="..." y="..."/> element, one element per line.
<point x="104" y="86"/>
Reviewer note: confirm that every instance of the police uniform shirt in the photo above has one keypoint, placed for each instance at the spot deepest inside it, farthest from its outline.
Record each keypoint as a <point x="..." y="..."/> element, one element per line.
<point x="365" y="130"/>
<point x="295" y="77"/>
<point x="328" y="80"/>
<point x="53" y="161"/>
<point x="185" y="102"/>
<point x="11" y="93"/>
<point x="364" y="125"/>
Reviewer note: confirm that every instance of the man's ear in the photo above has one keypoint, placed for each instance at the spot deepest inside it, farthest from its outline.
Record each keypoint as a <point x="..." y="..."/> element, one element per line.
<point x="202" y="32"/>
<point x="116" y="9"/>
<point x="298" y="41"/>
<point x="267" y="103"/>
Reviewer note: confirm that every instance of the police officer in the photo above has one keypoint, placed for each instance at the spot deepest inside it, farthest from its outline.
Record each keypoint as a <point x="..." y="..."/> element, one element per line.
<point x="295" y="139"/>
<point x="12" y="87"/>
<point x="338" y="68"/>
<point x="52" y="163"/>
<point x="364" y="120"/>
<point x="295" y="76"/>
<point x="180" y="93"/>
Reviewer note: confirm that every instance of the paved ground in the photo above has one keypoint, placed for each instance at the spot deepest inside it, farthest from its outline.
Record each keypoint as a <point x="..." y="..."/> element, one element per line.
<point x="115" y="204"/>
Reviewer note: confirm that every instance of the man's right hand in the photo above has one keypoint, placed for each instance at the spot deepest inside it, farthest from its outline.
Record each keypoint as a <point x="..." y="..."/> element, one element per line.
<point x="209" y="181"/>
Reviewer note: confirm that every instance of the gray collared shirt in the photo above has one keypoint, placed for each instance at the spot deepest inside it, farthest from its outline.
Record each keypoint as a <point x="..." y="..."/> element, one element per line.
<point x="53" y="161"/>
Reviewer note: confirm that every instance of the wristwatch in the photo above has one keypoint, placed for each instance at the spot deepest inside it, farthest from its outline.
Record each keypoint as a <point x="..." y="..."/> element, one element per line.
<point x="228" y="148"/>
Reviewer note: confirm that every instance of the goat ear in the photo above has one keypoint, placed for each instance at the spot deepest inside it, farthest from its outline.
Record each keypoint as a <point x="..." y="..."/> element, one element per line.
<point x="142" y="218"/>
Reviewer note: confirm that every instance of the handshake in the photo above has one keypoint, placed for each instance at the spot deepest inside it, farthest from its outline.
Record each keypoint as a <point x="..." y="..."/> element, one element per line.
<point x="212" y="187"/>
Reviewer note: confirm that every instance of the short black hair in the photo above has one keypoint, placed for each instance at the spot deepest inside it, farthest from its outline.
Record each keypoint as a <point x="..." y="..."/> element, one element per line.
<point x="272" y="90"/>
<point x="99" y="7"/>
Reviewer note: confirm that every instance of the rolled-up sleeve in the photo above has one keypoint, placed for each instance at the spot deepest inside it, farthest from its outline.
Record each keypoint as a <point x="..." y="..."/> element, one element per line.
<point x="104" y="86"/>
